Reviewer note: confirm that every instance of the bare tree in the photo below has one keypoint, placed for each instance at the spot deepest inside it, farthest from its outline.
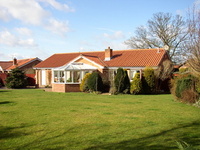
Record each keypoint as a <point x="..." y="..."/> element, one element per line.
<point x="163" y="29"/>
<point x="193" y="44"/>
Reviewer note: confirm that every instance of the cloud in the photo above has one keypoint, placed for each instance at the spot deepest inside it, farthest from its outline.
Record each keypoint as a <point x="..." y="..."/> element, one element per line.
<point x="197" y="2"/>
<point x="114" y="45"/>
<point x="58" y="6"/>
<point x="179" y="12"/>
<point x="27" y="11"/>
<point x="4" y="15"/>
<point x="10" y="39"/>
<point x="32" y="12"/>
<point x="115" y="35"/>
<point x="28" y="42"/>
<point x="24" y="31"/>
<point x="58" y="27"/>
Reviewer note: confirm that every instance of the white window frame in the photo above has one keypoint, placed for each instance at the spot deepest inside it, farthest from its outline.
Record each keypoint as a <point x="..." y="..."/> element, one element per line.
<point x="71" y="74"/>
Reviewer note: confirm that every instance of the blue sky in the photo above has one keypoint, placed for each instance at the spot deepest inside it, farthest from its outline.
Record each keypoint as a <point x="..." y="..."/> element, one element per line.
<point x="40" y="28"/>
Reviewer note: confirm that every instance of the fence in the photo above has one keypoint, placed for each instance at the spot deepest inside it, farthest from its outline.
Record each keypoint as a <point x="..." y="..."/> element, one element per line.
<point x="30" y="79"/>
<point x="3" y="76"/>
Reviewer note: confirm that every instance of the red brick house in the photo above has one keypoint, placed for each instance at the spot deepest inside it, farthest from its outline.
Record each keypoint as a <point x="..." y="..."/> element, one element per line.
<point x="65" y="71"/>
<point x="24" y="64"/>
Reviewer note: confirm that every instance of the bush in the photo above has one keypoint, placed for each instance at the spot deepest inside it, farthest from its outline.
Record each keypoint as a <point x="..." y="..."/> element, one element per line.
<point x="84" y="83"/>
<point x="126" y="83"/>
<point x="197" y="85"/>
<point x="118" y="81"/>
<point x="122" y="82"/>
<point x="185" y="88"/>
<point x="182" y="70"/>
<point x="16" y="79"/>
<point x="189" y="96"/>
<point x="182" y="85"/>
<point x="95" y="82"/>
<point x="148" y="80"/>
<point x="136" y="84"/>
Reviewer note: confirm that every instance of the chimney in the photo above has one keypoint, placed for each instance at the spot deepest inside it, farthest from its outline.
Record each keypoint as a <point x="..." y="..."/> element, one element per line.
<point x="108" y="54"/>
<point x="14" y="61"/>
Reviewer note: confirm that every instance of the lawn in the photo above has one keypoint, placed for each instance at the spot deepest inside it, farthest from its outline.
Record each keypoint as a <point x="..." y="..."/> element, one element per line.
<point x="34" y="119"/>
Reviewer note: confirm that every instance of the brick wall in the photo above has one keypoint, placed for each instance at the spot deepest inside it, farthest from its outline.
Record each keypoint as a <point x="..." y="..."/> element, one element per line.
<point x="65" y="87"/>
<point x="72" y="88"/>
<point x="58" y="87"/>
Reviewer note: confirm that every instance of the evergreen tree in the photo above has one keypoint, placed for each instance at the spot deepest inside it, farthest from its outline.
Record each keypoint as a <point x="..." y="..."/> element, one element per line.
<point x="126" y="83"/>
<point x="122" y="82"/>
<point x="84" y="84"/>
<point x="95" y="82"/>
<point x="148" y="80"/>
<point x="16" y="79"/>
<point x="136" y="84"/>
<point x="119" y="78"/>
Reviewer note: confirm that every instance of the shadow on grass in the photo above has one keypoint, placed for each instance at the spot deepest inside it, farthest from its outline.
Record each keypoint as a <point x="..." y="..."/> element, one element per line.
<point x="35" y="144"/>
<point x="6" y="102"/>
<point x="10" y="132"/>
<point x="4" y="90"/>
<point x="164" y="140"/>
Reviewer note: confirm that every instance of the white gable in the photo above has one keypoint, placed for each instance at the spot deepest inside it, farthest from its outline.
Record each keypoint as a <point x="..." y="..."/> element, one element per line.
<point x="76" y="66"/>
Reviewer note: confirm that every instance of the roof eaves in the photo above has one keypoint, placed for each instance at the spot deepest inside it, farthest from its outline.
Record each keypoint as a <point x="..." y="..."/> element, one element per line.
<point x="45" y="68"/>
<point x="31" y="60"/>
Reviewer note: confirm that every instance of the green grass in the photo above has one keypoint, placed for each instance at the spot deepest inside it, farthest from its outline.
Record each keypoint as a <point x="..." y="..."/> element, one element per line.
<point x="34" y="119"/>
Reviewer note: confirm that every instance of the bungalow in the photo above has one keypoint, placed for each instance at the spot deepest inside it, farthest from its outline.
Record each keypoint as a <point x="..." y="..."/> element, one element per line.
<point x="23" y="64"/>
<point x="65" y="71"/>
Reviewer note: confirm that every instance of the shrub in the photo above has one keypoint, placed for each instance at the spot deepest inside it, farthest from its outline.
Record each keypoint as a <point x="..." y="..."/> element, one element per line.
<point x="136" y="84"/>
<point x="182" y="85"/>
<point x="16" y="79"/>
<point x="197" y="85"/>
<point x="119" y="80"/>
<point x="95" y="82"/>
<point x="189" y="96"/>
<point x="182" y="70"/>
<point x="122" y="82"/>
<point x="148" y="80"/>
<point x="126" y="83"/>
<point x="84" y="83"/>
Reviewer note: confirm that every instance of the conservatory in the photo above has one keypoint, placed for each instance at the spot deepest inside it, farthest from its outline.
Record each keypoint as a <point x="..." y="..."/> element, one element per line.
<point x="69" y="77"/>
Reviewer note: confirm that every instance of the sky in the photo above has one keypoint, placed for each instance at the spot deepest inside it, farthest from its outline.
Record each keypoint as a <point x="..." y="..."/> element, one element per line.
<point x="41" y="28"/>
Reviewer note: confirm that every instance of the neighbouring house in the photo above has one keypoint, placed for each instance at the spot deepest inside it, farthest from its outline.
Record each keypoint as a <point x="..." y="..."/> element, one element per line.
<point x="65" y="71"/>
<point x="24" y="64"/>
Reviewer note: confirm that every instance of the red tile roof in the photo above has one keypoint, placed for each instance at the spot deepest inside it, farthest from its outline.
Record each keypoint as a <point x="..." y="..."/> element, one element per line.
<point x="8" y="65"/>
<point x="5" y="64"/>
<point x="121" y="58"/>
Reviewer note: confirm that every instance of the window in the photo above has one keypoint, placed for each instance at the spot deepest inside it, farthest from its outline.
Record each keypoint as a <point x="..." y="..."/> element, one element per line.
<point x="55" y="76"/>
<point x="68" y="76"/>
<point x="74" y="76"/>
<point x="61" y="77"/>
<point x="132" y="73"/>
